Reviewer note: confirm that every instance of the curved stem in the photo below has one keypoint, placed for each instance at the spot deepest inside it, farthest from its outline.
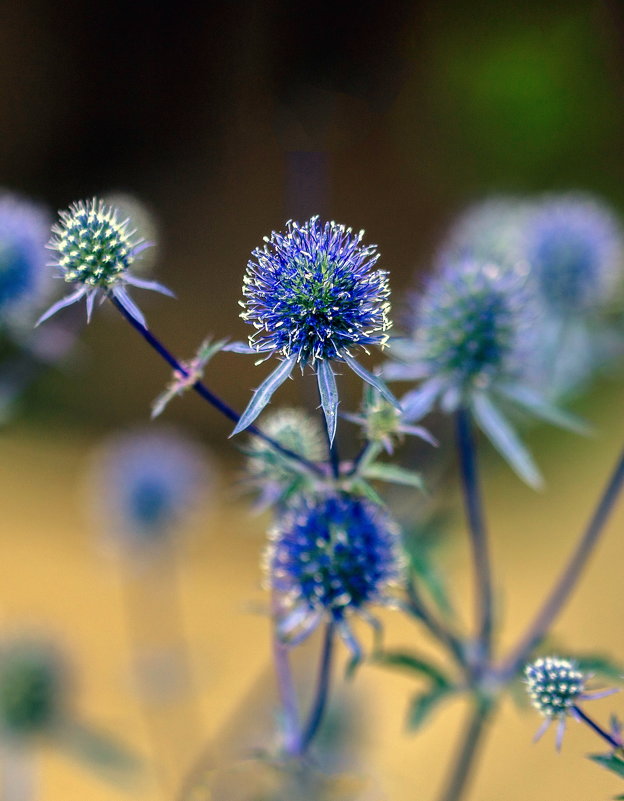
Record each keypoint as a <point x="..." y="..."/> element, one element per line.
<point x="567" y="581"/>
<point x="476" y="528"/>
<point x="322" y="690"/>
<point x="467" y="752"/>
<point x="285" y="688"/>
<point x="204" y="392"/>
<point x="598" y="729"/>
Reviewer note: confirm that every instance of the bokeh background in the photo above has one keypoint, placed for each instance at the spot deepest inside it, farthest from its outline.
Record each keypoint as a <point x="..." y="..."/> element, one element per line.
<point x="226" y="119"/>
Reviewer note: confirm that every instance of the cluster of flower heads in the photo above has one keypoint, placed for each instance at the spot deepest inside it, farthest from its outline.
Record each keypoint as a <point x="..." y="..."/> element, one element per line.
<point x="95" y="252"/>
<point x="555" y="687"/>
<point x="505" y="319"/>
<point x="144" y="483"/>
<point x="24" y="281"/>
<point x="331" y="556"/>
<point x="313" y="296"/>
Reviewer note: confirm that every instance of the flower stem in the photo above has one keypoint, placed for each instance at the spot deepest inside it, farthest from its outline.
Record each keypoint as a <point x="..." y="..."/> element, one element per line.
<point x="204" y="392"/>
<point x="285" y="688"/>
<point x="467" y="751"/>
<point x="570" y="575"/>
<point x="322" y="690"/>
<point x="617" y="744"/>
<point x="476" y="528"/>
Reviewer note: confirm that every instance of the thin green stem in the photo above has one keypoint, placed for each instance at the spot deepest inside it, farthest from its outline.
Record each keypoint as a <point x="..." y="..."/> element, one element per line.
<point x="568" y="579"/>
<point x="477" y="531"/>
<point x="467" y="751"/>
<point x="319" y="703"/>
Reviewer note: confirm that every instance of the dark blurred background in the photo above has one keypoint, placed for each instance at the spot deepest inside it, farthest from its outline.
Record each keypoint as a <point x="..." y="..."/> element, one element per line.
<point x="227" y="118"/>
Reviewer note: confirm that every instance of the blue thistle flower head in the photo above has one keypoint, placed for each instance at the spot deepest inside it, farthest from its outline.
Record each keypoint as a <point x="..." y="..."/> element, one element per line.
<point x="95" y="250"/>
<point x="472" y="346"/>
<point x="145" y="483"/>
<point x="332" y="556"/>
<point x="313" y="296"/>
<point x="576" y="251"/>
<point x="23" y="235"/>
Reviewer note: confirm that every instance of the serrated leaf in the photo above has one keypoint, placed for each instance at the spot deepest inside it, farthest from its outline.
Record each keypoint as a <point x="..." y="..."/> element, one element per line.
<point x="422" y="705"/>
<point x="611" y="762"/>
<point x="393" y="474"/>
<point x="413" y="663"/>
<point x="365" y="489"/>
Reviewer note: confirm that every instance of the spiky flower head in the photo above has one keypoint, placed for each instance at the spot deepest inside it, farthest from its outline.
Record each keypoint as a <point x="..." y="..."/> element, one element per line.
<point x="313" y="296"/>
<point x="576" y="251"/>
<point x="471" y="346"/>
<point x="144" y="483"/>
<point x="32" y="687"/>
<point x="23" y="277"/>
<point x="313" y="293"/>
<point x="277" y="477"/>
<point x="331" y="556"/>
<point x="95" y="252"/>
<point x="554" y="685"/>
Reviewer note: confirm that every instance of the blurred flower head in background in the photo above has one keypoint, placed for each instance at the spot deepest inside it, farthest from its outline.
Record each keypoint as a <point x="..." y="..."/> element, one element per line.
<point x="332" y="556"/>
<point x="277" y="478"/>
<point x="33" y="684"/>
<point x="145" y="483"/>
<point x="24" y="279"/>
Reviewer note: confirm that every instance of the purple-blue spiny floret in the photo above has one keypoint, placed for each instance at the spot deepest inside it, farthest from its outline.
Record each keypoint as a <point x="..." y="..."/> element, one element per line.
<point x="334" y="554"/>
<point x="312" y="292"/>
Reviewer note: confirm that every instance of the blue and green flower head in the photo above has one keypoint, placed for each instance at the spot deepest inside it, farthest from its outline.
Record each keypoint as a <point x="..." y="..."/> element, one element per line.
<point x="333" y="556"/>
<point x="95" y="250"/>
<point x="23" y="275"/>
<point x="314" y="297"/>
<point x="576" y="251"/>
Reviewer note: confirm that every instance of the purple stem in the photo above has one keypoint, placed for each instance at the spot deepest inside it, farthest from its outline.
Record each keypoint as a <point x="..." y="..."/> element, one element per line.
<point x="595" y="727"/>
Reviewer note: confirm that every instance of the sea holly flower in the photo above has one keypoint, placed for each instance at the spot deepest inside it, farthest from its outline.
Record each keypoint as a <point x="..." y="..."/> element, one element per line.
<point x="314" y="297"/>
<point x="95" y="252"/>
<point x="23" y="276"/>
<point x="332" y="557"/>
<point x="575" y="247"/>
<point x="555" y="687"/>
<point x="472" y="342"/>
<point x="144" y="483"/>
<point x="278" y="478"/>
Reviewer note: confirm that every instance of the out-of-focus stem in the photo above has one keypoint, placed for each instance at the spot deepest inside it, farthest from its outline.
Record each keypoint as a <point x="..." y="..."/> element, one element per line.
<point x="285" y="688"/>
<point x="467" y="751"/>
<point x="477" y="530"/>
<point x="319" y="703"/>
<point x="567" y="581"/>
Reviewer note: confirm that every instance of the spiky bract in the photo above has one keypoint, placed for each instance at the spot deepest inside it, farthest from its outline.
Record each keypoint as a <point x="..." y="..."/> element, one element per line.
<point x="331" y="556"/>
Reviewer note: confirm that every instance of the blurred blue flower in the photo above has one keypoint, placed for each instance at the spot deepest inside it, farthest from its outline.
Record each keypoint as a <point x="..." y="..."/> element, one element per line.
<point x="576" y="251"/>
<point x="313" y="296"/>
<point x="472" y="341"/>
<point x="145" y="482"/>
<point x="23" y="276"/>
<point x="95" y="251"/>
<point x="330" y="557"/>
